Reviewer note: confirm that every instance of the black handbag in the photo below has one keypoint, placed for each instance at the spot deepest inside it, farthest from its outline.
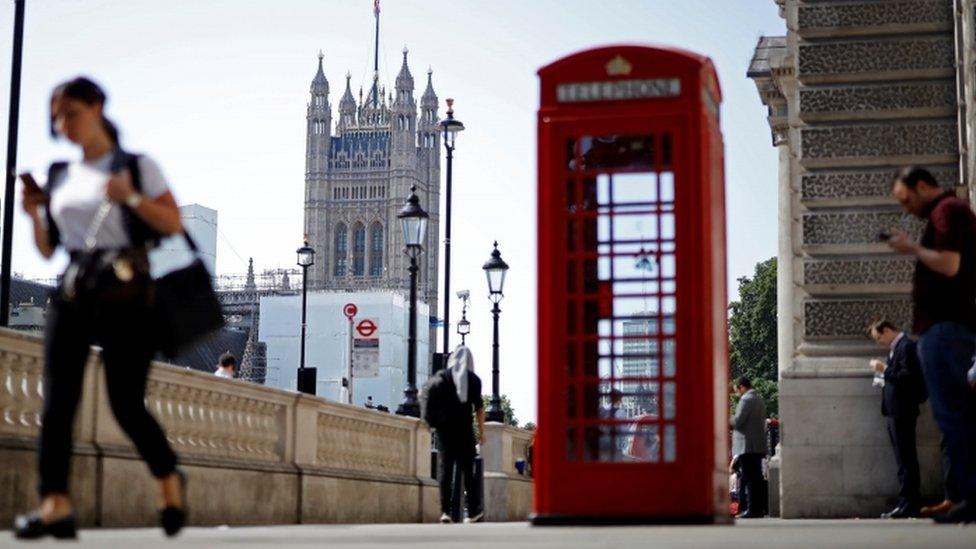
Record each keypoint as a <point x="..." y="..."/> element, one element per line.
<point x="186" y="306"/>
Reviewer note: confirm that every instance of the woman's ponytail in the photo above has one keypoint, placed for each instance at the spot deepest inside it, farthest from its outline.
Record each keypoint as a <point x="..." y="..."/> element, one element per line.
<point x="111" y="129"/>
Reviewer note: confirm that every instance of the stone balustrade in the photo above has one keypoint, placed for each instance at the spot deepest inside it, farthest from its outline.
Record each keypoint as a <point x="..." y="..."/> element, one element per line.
<point x="253" y="454"/>
<point x="508" y="494"/>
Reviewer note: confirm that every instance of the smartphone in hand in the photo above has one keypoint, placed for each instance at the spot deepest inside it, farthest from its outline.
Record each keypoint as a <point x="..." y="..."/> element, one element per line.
<point x="31" y="183"/>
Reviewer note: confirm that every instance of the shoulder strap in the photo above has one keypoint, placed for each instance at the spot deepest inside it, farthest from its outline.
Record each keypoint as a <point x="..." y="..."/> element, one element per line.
<point x="139" y="231"/>
<point x="55" y="173"/>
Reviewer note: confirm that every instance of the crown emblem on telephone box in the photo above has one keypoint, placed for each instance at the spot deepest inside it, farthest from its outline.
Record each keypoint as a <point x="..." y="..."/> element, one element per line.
<point x="618" y="66"/>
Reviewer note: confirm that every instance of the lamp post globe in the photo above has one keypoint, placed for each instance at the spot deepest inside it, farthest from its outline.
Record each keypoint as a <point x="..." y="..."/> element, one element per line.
<point x="495" y="269"/>
<point x="306" y="376"/>
<point x="413" y="221"/>
<point x="306" y="256"/>
<point x="450" y="127"/>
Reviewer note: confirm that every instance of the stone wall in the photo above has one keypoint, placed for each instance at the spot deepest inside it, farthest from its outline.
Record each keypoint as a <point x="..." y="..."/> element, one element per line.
<point x="868" y="86"/>
<point x="253" y="455"/>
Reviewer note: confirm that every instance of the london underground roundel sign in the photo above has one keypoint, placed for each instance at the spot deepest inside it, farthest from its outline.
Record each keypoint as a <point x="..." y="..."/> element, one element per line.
<point x="366" y="328"/>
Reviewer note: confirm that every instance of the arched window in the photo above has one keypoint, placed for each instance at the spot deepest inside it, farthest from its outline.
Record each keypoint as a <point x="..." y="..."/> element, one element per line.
<point x="341" y="247"/>
<point x="376" y="250"/>
<point x="359" y="250"/>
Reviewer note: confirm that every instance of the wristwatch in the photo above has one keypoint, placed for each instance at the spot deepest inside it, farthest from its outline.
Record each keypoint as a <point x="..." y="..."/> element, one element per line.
<point x="133" y="200"/>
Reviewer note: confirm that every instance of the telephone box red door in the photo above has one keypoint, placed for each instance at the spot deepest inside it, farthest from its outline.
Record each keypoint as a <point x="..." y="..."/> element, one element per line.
<point x="633" y="378"/>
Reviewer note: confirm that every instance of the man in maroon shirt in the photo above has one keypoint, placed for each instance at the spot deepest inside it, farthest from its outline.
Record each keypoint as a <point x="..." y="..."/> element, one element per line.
<point x="944" y="301"/>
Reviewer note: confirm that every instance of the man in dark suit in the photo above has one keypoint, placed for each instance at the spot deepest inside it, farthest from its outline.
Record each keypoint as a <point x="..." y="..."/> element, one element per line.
<point x="903" y="389"/>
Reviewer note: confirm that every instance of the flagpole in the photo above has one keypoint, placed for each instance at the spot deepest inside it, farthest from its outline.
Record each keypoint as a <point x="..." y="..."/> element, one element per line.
<point x="376" y="53"/>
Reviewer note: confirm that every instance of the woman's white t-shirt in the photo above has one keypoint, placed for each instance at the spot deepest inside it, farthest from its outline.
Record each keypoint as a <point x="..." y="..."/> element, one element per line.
<point x="80" y="194"/>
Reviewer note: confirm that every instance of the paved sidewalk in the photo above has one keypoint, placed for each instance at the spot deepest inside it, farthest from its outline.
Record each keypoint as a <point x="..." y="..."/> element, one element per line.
<point x="749" y="534"/>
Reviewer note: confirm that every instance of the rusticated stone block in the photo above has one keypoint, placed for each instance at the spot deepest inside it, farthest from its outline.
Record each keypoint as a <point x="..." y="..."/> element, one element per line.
<point x="871" y="14"/>
<point x="847" y="318"/>
<point x="861" y="184"/>
<point x="878" y="97"/>
<point x="859" y="271"/>
<point x="876" y="56"/>
<point x="918" y="139"/>
<point x="854" y="227"/>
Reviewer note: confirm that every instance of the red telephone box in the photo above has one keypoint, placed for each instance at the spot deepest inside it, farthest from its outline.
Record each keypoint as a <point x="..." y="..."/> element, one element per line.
<point x="633" y="377"/>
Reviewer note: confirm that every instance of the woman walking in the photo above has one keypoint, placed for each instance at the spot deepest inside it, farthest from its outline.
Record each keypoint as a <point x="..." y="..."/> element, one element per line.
<point x="105" y="209"/>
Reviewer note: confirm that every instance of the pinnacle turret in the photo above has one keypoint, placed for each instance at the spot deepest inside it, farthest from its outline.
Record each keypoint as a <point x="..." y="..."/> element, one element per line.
<point x="250" y="284"/>
<point x="429" y="99"/>
<point x="347" y="105"/>
<point x="320" y="84"/>
<point x="404" y="80"/>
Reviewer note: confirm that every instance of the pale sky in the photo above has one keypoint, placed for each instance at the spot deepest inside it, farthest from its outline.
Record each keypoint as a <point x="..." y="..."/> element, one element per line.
<point x="216" y="91"/>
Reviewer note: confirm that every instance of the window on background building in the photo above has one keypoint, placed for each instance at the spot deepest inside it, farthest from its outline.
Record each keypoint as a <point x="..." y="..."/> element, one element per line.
<point x="341" y="245"/>
<point x="376" y="250"/>
<point x="359" y="250"/>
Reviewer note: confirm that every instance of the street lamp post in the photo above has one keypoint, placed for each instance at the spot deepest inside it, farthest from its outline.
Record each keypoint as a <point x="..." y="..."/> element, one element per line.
<point x="413" y="221"/>
<point x="495" y="269"/>
<point x="463" y="326"/>
<point x="451" y="127"/>
<point x="13" y="120"/>
<point x="306" y="376"/>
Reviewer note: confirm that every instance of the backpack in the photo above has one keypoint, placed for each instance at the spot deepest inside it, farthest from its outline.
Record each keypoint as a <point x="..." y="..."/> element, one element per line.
<point x="140" y="233"/>
<point x="435" y="405"/>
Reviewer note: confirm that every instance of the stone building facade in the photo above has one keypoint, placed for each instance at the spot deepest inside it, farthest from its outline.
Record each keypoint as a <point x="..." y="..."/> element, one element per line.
<point x="359" y="169"/>
<point x="854" y="90"/>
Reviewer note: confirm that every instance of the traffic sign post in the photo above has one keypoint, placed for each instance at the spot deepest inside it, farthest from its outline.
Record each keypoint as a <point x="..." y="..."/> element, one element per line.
<point x="350" y="311"/>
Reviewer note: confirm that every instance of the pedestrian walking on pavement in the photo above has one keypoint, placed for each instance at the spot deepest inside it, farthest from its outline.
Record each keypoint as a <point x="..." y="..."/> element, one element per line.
<point x="226" y="365"/>
<point x="105" y="209"/>
<point x="944" y="308"/>
<point x="902" y="391"/>
<point x="749" y="445"/>
<point x="452" y="398"/>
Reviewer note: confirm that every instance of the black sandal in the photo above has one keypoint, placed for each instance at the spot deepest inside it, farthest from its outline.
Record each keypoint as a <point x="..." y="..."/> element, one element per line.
<point x="30" y="526"/>
<point x="171" y="518"/>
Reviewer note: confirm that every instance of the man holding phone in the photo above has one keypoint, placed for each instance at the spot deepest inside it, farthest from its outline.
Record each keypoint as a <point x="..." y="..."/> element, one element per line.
<point x="944" y="308"/>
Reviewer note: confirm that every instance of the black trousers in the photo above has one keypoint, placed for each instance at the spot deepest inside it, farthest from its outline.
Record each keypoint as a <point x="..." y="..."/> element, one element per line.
<point x="124" y="332"/>
<point x="461" y="460"/>
<point x="901" y="432"/>
<point x="752" y="491"/>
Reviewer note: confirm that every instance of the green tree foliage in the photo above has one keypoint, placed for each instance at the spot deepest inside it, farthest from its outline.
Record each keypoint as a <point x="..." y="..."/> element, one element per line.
<point x="752" y="333"/>
<point x="529" y="426"/>
<point x="506" y="407"/>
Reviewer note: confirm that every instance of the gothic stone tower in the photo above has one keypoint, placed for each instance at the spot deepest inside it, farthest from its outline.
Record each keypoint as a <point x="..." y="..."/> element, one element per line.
<point x="358" y="176"/>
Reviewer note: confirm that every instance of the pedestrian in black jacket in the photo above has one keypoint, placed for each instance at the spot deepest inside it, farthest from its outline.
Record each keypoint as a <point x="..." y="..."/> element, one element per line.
<point x="451" y="404"/>
<point x="903" y="390"/>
